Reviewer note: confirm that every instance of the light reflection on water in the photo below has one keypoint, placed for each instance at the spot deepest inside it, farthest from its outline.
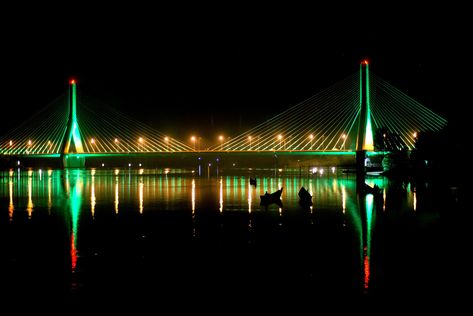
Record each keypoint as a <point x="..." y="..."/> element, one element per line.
<point x="85" y="195"/>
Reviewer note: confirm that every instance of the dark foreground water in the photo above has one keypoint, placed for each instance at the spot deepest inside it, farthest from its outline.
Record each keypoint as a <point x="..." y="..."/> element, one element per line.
<point x="167" y="238"/>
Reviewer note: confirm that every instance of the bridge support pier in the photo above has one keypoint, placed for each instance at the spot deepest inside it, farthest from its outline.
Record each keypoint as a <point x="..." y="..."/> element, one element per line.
<point x="360" y="168"/>
<point x="73" y="161"/>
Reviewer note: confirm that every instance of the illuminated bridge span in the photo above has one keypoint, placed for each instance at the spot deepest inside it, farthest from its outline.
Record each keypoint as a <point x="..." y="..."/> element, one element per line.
<point x="335" y="119"/>
<point x="77" y="129"/>
<point x="360" y="113"/>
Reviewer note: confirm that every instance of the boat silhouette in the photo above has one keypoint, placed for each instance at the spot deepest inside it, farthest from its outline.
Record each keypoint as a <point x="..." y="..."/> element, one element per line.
<point x="375" y="190"/>
<point x="274" y="197"/>
<point x="305" y="197"/>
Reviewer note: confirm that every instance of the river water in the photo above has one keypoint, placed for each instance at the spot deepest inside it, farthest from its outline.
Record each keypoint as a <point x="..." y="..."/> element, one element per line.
<point x="171" y="235"/>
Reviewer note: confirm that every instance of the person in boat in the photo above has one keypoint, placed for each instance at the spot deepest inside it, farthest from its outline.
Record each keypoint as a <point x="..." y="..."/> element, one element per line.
<point x="305" y="197"/>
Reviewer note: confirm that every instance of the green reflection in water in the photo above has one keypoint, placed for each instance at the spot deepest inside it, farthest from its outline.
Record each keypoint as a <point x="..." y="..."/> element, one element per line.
<point x="334" y="201"/>
<point x="367" y="244"/>
<point x="129" y="191"/>
<point x="75" y="188"/>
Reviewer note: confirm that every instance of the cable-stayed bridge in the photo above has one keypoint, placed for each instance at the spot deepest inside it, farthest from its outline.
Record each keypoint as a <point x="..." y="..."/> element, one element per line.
<point x="360" y="113"/>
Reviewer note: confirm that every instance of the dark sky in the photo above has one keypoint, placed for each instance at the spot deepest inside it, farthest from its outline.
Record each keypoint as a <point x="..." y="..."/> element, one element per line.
<point x="186" y="72"/>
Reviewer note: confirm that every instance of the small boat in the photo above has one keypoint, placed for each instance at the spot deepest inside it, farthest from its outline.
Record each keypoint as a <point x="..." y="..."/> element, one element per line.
<point x="305" y="197"/>
<point x="274" y="197"/>
<point x="253" y="181"/>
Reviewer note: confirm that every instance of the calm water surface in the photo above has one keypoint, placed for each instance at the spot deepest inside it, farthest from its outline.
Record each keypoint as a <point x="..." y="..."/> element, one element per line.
<point x="168" y="234"/>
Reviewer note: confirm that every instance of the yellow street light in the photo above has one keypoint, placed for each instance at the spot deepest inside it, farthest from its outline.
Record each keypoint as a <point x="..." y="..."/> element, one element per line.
<point x="221" y="142"/>
<point x="166" y="139"/>
<point x="141" y="140"/>
<point x="193" y="140"/>
<point x="280" y="141"/>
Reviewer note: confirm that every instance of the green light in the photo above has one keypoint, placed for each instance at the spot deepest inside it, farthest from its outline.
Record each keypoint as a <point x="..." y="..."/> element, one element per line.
<point x="74" y="136"/>
<point x="75" y="202"/>
<point x="368" y="143"/>
<point x="367" y="246"/>
<point x="369" y="221"/>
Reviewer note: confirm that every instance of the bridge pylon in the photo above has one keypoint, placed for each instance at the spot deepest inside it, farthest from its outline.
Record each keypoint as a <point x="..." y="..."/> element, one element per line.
<point x="364" y="140"/>
<point x="72" y="150"/>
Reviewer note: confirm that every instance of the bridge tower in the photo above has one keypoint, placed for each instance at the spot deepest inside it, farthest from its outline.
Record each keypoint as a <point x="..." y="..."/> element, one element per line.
<point x="72" y="150"/>
<point x="364" y="140"/>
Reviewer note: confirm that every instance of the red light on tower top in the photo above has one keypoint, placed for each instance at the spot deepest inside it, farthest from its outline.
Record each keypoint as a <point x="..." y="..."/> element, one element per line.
<point x="365" y="62"/>
<point x="73" y="81"/>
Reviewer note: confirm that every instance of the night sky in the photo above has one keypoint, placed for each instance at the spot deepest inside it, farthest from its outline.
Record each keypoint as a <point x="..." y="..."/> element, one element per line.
<point x="189" y="73"/>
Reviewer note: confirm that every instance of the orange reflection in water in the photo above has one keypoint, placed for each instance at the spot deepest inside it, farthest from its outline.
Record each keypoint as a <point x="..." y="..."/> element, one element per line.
<point x="140" y="189"/>
<point x="366" y="268"/>
<point x="73" y="253"/>
<point x="11" y="206"/>
<point x="221" y="196"/>
<point x="29" y="206"/>
<point x="249" y="198"/>
<point x="93" y="199"/>
<point x="193" y="196"/>
<point x="116" y="199"/>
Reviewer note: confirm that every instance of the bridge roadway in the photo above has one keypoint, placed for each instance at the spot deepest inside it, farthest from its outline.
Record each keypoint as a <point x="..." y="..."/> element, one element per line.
<point x="262" y="159"/>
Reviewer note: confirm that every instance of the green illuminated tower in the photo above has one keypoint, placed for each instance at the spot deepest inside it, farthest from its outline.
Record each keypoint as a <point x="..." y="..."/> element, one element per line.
<point x="72" y="145"/>
<point x="364" y="140"/>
